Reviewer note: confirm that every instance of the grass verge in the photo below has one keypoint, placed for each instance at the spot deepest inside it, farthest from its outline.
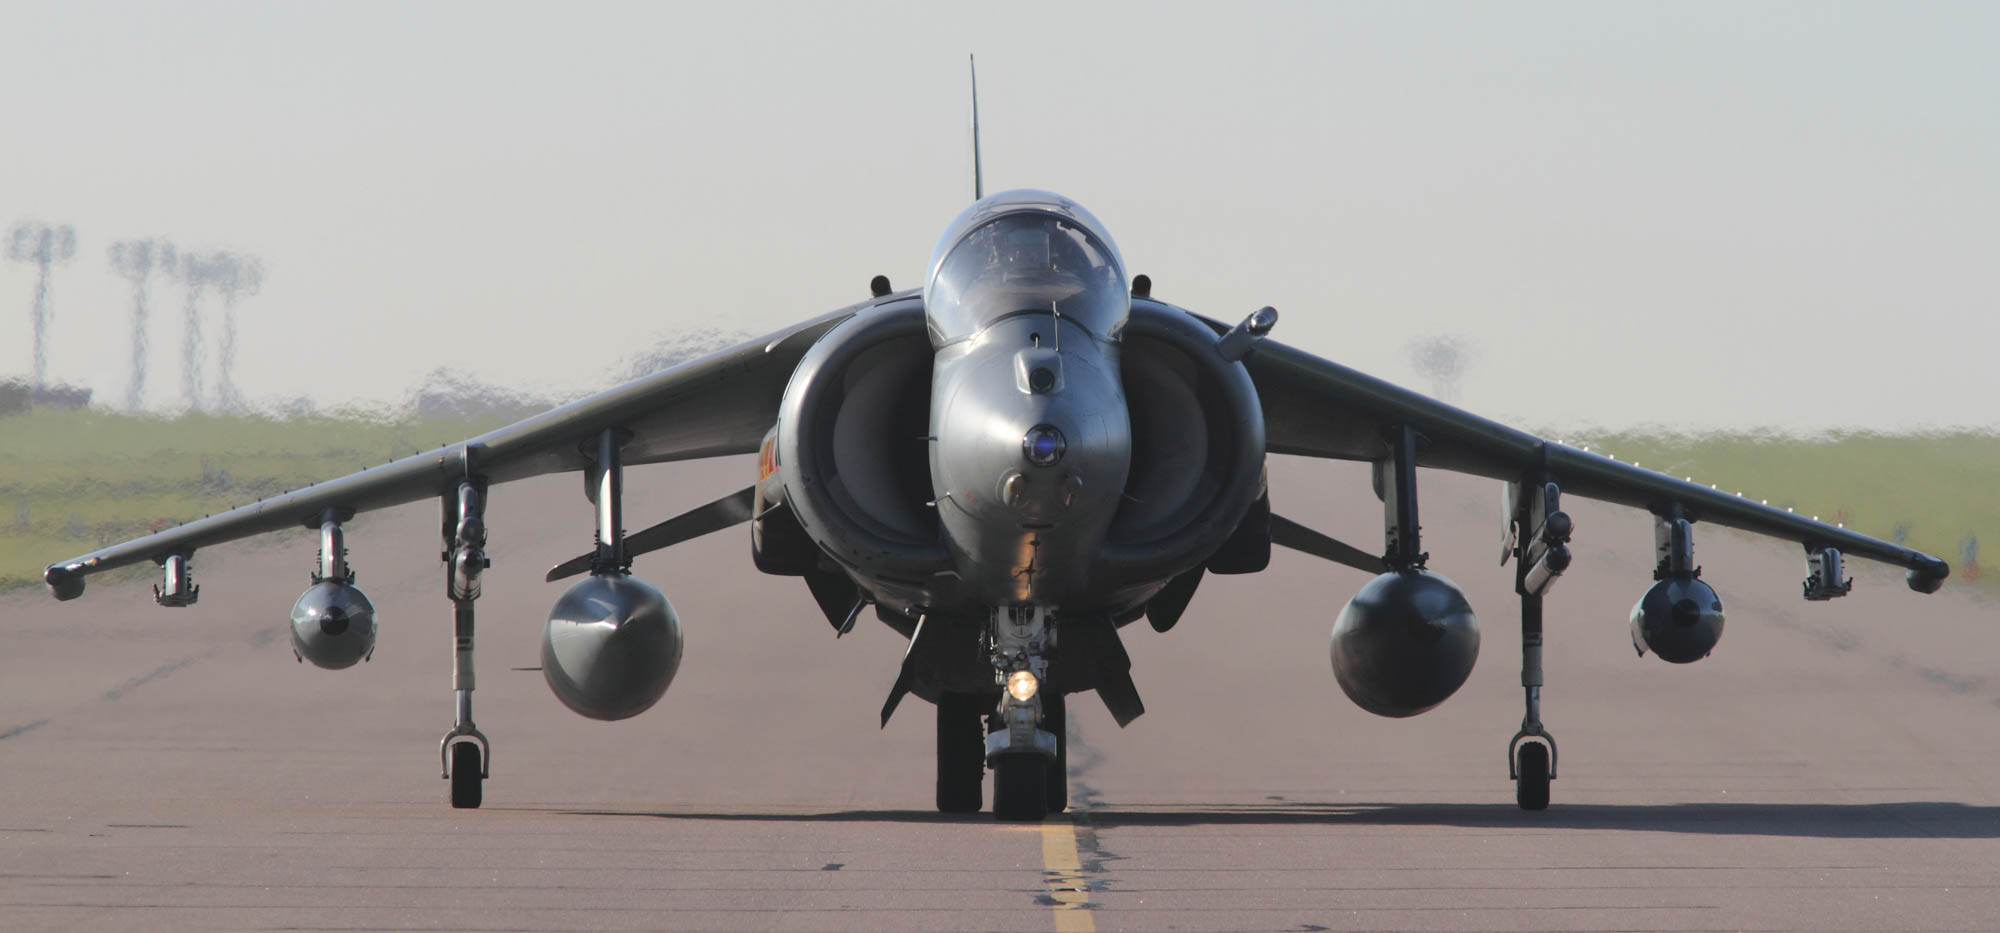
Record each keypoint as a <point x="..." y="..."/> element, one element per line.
<point x="72" y="481"/>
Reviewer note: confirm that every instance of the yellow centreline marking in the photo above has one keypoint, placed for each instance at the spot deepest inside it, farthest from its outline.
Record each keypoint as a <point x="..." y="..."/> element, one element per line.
<point x="1063" y="873"/>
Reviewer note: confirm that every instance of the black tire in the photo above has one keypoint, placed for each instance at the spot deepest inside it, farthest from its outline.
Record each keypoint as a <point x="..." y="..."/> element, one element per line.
<point x="961" y="752"/>
<point x="1020" y="790"/>
<point x="466" y="777"/>
<point x="1531" y="789"/>
<point x="1056" y="778"/>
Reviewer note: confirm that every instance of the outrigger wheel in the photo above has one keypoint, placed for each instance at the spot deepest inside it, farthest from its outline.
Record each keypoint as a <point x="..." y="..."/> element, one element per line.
<point x="1531" y="781"/>
<point x="466" y="776"/>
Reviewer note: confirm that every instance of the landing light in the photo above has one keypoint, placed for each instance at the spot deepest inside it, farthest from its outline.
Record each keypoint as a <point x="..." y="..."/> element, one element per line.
<point x="1021" y="685"/>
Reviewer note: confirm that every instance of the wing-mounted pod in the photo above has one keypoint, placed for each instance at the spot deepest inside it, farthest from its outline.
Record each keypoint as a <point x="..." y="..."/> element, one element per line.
<point x="176" y="588"/>
<point x="333" y="622"/>
<point x="612" y="643"/>
<point x="1409" y="639"/>
<point x="1539" y="515"/>
<point x="1680" y="617"/>
<point x="1197" y="444"/>
<point x="1824" y="578"/>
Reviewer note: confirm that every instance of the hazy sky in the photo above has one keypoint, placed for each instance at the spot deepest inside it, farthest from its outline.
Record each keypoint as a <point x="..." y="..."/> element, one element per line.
<point x="1703" y="215"/>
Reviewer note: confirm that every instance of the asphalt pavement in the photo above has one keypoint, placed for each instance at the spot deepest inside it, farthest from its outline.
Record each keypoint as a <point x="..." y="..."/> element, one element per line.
<point x="1831" y="767"/>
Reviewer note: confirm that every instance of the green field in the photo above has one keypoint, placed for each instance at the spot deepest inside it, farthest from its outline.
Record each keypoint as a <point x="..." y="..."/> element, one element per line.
<point x="72" y="481"/>
<point x="1932" y="492"/>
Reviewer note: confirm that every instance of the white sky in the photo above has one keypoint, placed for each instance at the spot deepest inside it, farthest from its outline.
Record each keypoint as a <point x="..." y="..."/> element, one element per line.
<point x="1701" y="215"/>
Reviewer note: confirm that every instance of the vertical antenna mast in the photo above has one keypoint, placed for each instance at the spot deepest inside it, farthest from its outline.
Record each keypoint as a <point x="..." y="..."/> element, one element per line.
<point x="978" y="186"/>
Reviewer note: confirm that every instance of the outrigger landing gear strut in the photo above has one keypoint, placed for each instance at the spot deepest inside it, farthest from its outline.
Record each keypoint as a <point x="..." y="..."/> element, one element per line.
<point x="1541" y="543"/>
<point x="465" y="754"/>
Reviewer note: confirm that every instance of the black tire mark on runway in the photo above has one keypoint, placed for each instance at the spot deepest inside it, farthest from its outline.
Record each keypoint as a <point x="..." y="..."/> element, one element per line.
<point x="1082" y="811"/>
<point x="1783" y="618"/>
<point x="118" y="693"/>
<point x="23" y="729"/>
<point x="261" y="638"/>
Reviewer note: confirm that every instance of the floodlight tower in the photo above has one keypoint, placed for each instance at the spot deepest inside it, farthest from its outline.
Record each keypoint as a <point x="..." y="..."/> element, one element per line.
<point x="236" y="276"/>
<point x="196" y="272"/>
<point x="136" y="261"/>
<point x="1442" y="360"/>
<point x="43" y="245"/>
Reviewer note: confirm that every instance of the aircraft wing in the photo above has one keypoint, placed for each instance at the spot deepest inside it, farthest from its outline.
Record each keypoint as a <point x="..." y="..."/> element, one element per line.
<point x="1319" y="408"/>
<point x="718" y="405"/>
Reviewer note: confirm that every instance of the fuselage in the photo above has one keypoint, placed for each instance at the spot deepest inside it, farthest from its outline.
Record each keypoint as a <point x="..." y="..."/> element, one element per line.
<point x="1020" y="433"/>
<point x="1030" y="437"/>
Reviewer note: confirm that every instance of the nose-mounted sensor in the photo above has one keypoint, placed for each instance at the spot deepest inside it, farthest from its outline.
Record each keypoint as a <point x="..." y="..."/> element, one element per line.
<point x="1043" y="445"/>
<point x="1041" y="379"/>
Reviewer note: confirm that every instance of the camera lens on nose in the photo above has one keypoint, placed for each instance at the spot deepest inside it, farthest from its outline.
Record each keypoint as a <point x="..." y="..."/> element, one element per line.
<point x="1043" y="445"/>
<point x="1041" y="379"/>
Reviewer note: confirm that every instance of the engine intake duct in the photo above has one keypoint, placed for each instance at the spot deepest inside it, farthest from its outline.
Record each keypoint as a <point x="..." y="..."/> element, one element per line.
<point x="1197" y="449"/>
<point x="853" y="449"/>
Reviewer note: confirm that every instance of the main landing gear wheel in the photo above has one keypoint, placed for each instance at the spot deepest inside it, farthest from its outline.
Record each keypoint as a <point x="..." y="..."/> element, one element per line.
<point x="961" y="752"/>
<point x="1531" y="789"/>
<point x="466" y="776"/>
<point x="1020" y="788"/>
<point x="1056" y="777"/>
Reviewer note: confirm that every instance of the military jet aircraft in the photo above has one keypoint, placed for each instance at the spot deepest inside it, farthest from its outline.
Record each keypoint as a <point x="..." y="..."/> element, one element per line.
<point x="1007" y="466"/>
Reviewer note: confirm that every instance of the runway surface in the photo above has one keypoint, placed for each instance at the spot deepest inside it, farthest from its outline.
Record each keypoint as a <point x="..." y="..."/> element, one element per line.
<point x="1832" y="767"/>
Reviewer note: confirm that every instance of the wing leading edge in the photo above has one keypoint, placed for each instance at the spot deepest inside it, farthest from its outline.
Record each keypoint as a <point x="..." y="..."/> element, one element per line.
<point x="1318" y="408"/>
<point x="715" y="406"/>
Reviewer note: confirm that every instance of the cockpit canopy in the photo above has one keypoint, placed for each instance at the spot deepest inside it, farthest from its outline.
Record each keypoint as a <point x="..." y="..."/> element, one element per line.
<point x="1025" y="252"/>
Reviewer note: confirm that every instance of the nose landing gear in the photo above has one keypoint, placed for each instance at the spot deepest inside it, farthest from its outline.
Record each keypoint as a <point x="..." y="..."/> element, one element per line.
<point x="1025" y="743"/>
<point x="1020" y="788"/>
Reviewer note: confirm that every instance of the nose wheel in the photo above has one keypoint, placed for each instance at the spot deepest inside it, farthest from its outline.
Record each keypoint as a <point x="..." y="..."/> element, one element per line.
<point x="1025" y="743"/>
<point x="1020" y="788"/>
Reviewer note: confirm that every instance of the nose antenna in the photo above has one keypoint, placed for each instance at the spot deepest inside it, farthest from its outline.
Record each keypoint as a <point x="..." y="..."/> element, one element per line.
<point x="1057" y="311"/>
<point x="978" y="185"/>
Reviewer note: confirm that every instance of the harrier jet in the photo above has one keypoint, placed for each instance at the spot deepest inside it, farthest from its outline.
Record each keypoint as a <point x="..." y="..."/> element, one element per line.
<point x="1008" y="466"/>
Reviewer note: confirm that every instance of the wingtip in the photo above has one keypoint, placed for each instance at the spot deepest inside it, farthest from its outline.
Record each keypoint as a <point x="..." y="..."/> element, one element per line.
<point x="1928" y="577"/>
<point x="65" y="583"/>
